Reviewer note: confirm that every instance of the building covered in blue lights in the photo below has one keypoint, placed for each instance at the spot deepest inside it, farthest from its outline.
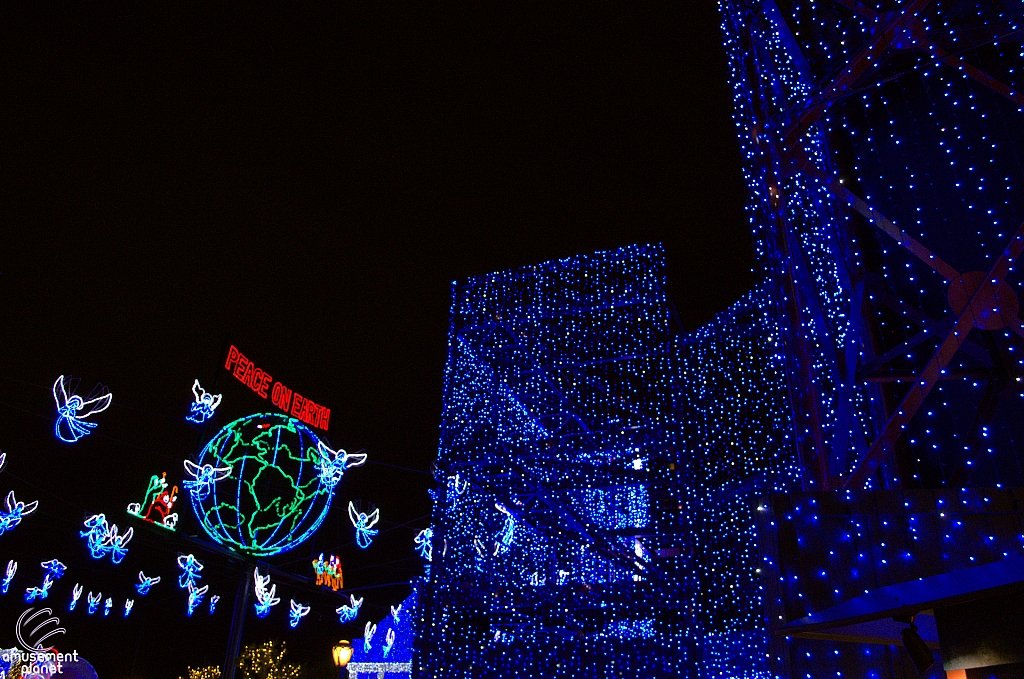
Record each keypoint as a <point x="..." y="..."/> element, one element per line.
<point x="385" y="650"/>
<point x="557" y="437"/>
<point x="617" y="497"/>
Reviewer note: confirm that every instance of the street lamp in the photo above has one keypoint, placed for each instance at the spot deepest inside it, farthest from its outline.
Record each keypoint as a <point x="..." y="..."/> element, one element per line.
<point x="342" y="652"/>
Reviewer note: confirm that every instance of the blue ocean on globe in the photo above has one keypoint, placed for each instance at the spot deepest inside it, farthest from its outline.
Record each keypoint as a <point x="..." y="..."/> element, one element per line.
<point x="258" y="486"/>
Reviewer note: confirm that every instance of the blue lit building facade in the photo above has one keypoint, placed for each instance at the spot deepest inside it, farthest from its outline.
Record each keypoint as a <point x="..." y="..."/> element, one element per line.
<point x="594" y="510"/>
<point x="552" y="514"/>
<point x="616" y="497"/>
<point x="387" y="653"/>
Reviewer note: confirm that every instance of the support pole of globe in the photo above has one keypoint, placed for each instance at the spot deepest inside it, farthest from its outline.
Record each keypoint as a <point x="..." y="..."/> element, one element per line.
<point x="237" y="626"/>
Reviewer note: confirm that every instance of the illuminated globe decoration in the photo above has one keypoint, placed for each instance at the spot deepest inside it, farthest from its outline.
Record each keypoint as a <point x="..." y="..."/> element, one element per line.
<point x="264" y="483"/>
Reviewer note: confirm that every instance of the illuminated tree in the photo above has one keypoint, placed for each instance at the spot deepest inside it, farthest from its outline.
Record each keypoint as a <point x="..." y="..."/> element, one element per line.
<point x="211" y="672"/>
<point x="266" y="661"/>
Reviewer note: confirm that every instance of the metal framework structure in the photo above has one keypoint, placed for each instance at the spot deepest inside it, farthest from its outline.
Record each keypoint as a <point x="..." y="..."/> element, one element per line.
<point x="826" y="94"/>
<point x="882" y="145"/>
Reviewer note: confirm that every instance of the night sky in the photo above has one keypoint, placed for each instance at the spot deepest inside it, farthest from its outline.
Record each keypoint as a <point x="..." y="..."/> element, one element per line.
<point x="305" y="184"/>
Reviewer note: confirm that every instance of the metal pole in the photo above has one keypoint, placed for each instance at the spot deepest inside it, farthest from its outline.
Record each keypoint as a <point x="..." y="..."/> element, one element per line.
<point x="237" y="625"/>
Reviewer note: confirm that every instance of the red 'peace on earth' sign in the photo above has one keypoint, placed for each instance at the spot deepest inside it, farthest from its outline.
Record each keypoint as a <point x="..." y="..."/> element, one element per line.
<point x="259" y="380"/>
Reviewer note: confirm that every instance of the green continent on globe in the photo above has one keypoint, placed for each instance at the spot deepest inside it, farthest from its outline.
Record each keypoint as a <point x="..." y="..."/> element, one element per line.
<point x="273" y="498"/>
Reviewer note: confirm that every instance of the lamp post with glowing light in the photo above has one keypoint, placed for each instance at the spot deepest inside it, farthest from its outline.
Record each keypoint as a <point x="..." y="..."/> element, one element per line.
<point x="342" y="652"/>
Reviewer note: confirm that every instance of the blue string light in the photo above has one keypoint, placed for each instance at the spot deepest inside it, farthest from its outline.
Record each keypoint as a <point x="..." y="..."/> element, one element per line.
<point x="33" y="593"/>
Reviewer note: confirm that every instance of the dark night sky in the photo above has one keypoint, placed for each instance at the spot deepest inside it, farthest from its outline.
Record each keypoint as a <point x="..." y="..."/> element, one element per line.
<point x="307" y="183"/>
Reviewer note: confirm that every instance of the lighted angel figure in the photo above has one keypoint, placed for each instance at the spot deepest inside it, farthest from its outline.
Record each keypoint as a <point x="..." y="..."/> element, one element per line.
<point x="128" y="605"/>
<point x="297" y="612"/>
<point x="76" y="594"/>
<point x="54" y="568"/>
<point x="389" y="641"/>
<point x="195" y="596"/>
<point x="507" y="531"/>
<point x="95" y="533"/>
<point x="33" y="593"/>
<point x="395" y="612"/>
<point x="190" y="567"/>
<point x="12" y="568"/>
<point x="94" y="602"/>
<point x="265" y="598"/>
<point x="203" y="478"/>
<point x="115" y="544"/>
<point x="368" y="633"/>
<point x="107" y="605"/>
<point x="333" y="463"/>
<point x="104" y="538"/>
<point x="145" y="583"/>
<point x="347" y="613"/>
<point x="456" y="487"/>
<point x="363" y="523"/>
<point x="213" y="603"/>
<point x="424" y="540"/>
<point x="73" y="409"/>
<point x="204" y="405"/>
<point x="15" y="512"/>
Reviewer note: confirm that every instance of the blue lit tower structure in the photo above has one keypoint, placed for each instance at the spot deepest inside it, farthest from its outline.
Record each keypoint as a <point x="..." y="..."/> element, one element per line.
<point x="884" y="158"/>
<point x="552" y="509"/>
<point x="882" y="146"/>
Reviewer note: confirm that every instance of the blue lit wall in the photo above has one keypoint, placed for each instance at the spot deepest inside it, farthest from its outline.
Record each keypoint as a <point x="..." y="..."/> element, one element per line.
<point x="555" y="552"/>
<point x="388" y="655"/>
<point x="566" y="380"/>
<point x="738" y="437"/>
<point x="835" y="546"/>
